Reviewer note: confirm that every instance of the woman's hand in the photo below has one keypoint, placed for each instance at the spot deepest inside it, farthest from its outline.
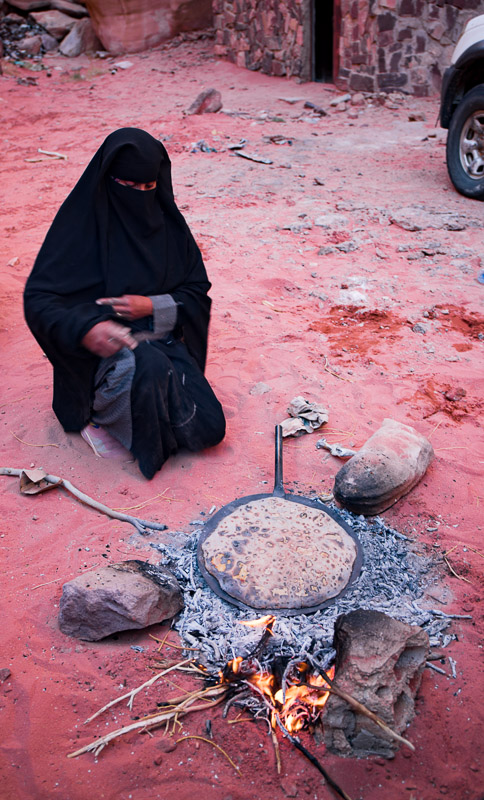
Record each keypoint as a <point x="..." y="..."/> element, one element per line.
<point x="129" y="306"/>
<point x="107" y="338"/>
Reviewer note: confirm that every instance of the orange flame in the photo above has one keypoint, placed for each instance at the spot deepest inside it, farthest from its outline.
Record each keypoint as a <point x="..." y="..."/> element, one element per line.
<point x="262" y="622"/>
<point x="303" y="702"/>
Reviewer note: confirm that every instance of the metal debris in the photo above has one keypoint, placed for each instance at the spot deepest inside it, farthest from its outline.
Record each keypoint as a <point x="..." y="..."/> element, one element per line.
<point x="335" y="449"/>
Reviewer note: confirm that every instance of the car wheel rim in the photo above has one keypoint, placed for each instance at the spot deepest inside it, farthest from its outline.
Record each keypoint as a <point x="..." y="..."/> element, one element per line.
<point x="471" y="148"/>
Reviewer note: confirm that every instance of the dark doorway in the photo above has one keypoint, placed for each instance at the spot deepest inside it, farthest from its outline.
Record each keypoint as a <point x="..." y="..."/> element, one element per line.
<point x="323" y="35"/>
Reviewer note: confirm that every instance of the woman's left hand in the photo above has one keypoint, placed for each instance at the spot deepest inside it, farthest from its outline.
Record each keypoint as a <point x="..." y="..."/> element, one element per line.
<point x="128" y="306"/>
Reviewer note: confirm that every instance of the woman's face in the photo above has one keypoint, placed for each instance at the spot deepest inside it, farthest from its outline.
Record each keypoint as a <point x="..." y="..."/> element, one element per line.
<point x="142" y="187"/>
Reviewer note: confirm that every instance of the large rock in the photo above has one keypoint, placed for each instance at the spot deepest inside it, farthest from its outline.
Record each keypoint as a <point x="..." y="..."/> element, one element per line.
<point x="30" y="45"/>
<point x="119" y="597"/>
<point x="388" y="465"/>
<point x="379" y="661"/>
<point x="72" y="9"/>
<point x="54" y="22"/>
<point x="29" y="5"/>
<point x="49" y="42"/>
<point x="128" y="26"/>
<point x="207" y="102"/>
<point x="81" y="39"/>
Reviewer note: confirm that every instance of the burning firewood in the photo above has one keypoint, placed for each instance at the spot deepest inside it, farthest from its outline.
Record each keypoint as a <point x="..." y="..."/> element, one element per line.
<point x="290" y="697"/>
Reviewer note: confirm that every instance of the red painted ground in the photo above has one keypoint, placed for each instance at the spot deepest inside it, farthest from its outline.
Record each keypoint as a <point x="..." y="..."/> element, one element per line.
<point x="270" y="325"/>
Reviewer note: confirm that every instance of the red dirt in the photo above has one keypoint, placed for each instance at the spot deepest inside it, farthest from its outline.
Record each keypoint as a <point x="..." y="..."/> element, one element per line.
<point x="282" y="316"/>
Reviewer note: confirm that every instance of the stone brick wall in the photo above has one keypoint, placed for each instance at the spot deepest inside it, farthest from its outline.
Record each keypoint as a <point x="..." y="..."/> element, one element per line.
<point x="388" y="45"/>
<point x="272" y="36"/>
<point x="381" y="45"/>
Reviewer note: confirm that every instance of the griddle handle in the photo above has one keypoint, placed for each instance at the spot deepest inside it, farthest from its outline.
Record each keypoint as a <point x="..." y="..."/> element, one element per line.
<point x="278" y="484"/>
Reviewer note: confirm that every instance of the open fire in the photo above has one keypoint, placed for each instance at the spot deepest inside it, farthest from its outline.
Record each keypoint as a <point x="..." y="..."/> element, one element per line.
<point x="290" y="696"/>
<point x="295" y="696"/>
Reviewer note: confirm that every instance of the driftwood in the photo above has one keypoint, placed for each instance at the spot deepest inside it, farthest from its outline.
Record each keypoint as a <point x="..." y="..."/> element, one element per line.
<point x="141" y="525"/>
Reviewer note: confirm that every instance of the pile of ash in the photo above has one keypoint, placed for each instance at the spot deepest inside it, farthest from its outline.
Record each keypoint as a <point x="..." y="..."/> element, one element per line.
<point x="393" y="580"/>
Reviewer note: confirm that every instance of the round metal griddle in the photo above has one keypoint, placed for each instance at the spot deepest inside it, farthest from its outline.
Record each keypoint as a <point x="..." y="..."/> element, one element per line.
<point x="278" y="552"/>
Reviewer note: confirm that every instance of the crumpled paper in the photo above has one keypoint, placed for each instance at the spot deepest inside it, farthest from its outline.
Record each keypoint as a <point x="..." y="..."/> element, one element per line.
<point x="305" y="417"/>
<point x="34" y="481"/>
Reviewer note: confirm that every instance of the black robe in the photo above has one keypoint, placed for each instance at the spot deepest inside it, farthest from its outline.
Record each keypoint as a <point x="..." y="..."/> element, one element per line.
<point x="97" y="246"/>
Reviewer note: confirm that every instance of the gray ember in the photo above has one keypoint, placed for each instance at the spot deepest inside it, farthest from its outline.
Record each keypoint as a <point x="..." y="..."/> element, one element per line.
<point x="392" y="579"/>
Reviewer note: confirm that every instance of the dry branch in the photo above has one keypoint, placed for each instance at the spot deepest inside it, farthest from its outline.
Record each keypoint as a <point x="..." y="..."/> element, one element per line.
<point x="155" y="720"/>
<point x="131" y="695"/>
<point x="141" y="525"/>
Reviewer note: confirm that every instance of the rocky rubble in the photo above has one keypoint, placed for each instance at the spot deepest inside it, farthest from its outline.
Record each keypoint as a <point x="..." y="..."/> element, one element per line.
<point x="31" y="28"/>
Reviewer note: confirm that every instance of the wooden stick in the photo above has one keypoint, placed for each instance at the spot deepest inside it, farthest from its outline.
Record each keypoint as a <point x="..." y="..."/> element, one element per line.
<point x="297" y="744"/>
<point x="461" y="577"/>
<point x="145" y="723"/>
<point x="141" y="525"/>
<point x="277" y="751"/>
<point x="29" y="444"/>
<point x="474" y="550"/>
<point x="50" y="153"/>
<point x="131" y="695"/>
<point x="264" y="640"/>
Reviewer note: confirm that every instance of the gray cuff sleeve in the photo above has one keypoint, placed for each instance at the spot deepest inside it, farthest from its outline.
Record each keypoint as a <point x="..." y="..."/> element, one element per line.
<point x="164" y="314"/>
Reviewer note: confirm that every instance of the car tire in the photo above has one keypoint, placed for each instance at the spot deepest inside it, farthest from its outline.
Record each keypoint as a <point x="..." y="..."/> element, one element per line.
<point x="465" y="145"/>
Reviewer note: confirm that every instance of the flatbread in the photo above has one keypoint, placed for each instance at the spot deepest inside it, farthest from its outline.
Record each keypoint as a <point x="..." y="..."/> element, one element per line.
<point x="275" y="553"/>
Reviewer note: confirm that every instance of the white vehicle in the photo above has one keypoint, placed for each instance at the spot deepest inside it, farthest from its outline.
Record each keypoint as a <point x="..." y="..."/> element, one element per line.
<point x="462" y="111"/>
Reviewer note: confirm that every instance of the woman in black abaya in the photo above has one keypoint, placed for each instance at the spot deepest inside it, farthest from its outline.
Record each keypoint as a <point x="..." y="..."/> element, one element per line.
<point x="117" y="299"/>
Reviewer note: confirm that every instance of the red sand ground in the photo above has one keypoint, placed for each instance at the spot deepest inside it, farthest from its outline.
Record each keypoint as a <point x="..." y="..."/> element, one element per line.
<point x="285" y="316"/>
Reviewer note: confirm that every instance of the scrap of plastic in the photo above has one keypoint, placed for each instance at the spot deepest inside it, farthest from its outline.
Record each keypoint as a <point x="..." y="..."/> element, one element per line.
<point x="335" y="449"/>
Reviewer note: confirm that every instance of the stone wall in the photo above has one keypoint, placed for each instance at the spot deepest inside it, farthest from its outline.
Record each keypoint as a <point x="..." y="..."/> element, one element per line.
<point x="388" y="45"/>
<point x="272" y="36"/>
<point x="380" y="45"/>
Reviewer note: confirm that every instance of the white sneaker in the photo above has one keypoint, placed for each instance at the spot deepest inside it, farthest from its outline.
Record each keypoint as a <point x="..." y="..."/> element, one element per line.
<point x="103" y="444"/>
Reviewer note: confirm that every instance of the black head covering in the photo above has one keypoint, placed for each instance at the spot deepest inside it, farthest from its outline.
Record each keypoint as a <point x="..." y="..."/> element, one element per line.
<point x="108" y="239"/>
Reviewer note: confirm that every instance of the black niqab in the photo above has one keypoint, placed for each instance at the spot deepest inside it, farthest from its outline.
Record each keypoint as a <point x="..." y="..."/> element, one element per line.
<point x="108" y="239"/>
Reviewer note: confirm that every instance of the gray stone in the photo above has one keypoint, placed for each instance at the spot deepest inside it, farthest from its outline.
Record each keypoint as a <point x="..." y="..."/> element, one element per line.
<point x="54" y="22"/>
<point x="30" y="45"/>
<point x="72" y="9"/>
<point x="81" y="39"/>
<point x="331" y="220"/>
<point x="49" y="42"/>
<point x="29" y="5"/>
<point x="415" y="218"/>
<point x="119" y="597"/>
<point x="208" y="102"/>
<point x="379" y="661"/>
<point x="347" y="247"/>
<point x="388" y="465"/>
